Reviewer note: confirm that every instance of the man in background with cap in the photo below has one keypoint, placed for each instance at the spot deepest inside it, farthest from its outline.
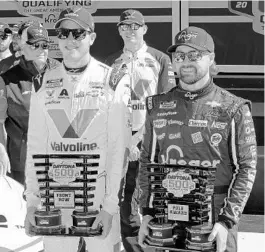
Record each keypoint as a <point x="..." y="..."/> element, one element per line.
<point x="13" y="51"/>
<point x="16" y="85"/>
<point x="150" y="73"/>
<point x="209" y="125"/>
<point x="7" y="59"/>
<point x="77" y="112"/>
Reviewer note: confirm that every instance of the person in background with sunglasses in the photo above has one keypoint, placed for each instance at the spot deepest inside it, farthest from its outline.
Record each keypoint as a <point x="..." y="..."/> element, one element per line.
<point x="151" y="73"/>
<point x="16" y="85"/>
<point x="77" y="109"/>
<point x="207" y="126"/>
<point x="14" y="49"/>
<point x="7" y="59"/>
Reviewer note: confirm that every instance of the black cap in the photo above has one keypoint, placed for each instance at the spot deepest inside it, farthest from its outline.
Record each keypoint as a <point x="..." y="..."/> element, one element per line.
<point x="79" y="15"/>
<point x="131" y="16"/>
<point x="194" y="37"/>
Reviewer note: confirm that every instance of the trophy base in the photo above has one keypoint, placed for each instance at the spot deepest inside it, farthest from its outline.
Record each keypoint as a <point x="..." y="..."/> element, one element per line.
<point x="177" y="249"/>
<point x="195" y="239"/>
<point x="85" y="231"/>
<point x="207" y="246"/>
<point x="48" y="219"/>
<point x="84" y="219"/>
<point x="199" y="233"/>
<point x="159" y="242"/>
<point x="60" y="230"/>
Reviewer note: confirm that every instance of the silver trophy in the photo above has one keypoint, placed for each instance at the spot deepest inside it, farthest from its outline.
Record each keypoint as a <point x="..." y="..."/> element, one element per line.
<point x="182" y="197"/>
<point x="67" y="185"/>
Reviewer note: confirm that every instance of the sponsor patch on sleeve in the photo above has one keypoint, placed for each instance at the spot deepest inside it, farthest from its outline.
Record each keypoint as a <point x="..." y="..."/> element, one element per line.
<point x="150" y="103"/>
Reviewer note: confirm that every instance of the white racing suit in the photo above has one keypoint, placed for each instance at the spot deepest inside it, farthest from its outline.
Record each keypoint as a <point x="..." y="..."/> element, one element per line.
<point x="80" y="114"/>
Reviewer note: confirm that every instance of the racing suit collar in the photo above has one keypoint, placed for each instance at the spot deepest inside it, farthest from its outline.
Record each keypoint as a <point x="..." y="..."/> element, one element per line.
<point x="79" y="70"/>
<point x="142" y="50"/>
<point x="187" y="95"/>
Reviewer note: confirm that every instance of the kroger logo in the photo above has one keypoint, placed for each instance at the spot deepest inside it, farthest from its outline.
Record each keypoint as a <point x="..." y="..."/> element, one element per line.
<point x="50" y="19"/>
<point x="174" y="155"/>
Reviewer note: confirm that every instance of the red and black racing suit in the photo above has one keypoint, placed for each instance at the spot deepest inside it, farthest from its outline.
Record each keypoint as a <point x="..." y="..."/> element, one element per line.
<point x="210" y="127"/>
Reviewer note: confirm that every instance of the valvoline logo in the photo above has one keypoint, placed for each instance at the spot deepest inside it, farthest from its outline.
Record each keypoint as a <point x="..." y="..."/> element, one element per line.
<point x="77" y="126"/>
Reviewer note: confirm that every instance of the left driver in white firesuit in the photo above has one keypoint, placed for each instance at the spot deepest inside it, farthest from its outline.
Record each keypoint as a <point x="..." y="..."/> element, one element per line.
<point x="76" y="112"/>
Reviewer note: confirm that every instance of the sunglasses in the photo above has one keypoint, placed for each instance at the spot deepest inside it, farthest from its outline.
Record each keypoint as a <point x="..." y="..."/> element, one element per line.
<point x="78" y="34"/>
<point x="36" y="46"/>
<point x="3" y="36"/>
<point x="193" y="56"/>
<point x="126" y="27"/>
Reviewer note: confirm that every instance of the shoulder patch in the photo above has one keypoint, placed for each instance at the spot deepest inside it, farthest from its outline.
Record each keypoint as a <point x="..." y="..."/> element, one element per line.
<point x="116" y="75"/>
<point x="151" y="102"/>
<point x="236" y="103"/>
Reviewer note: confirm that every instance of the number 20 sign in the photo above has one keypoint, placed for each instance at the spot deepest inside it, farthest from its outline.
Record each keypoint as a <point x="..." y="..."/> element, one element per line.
<point x="253" y="9"/>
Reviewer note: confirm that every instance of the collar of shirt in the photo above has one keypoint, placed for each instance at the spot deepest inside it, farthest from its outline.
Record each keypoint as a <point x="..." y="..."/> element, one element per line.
<point x="188" y="95"/>
<point x="136" y="54"/>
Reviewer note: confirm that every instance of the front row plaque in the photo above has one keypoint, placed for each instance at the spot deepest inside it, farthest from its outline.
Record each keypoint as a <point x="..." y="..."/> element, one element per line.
<point x="182" y="197"/>
<point x="67" y="185"/>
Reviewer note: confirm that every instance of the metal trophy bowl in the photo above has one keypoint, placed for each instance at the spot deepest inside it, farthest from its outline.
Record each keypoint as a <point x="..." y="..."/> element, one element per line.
<point x="67" y="183"/>
<point x="182" y="197"/>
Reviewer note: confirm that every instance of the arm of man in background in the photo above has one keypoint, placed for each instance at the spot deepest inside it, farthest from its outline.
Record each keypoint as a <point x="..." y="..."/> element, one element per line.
<point x="37" y="134"/>
<point x="4" y="161"/>
<point x="3" y="111"/>
<point x="147" y="155"/>
<point x="3" y="114"/>
<point x="166" y="81"/>
<point x="119" y="134"/>
<point x="244" y="155"/>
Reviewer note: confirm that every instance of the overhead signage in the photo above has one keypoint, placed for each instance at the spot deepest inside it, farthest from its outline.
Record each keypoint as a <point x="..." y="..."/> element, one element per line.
<point x="252" y="9"/>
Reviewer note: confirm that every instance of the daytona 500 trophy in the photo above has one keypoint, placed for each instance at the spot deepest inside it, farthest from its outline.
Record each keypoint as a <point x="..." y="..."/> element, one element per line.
<point x="182" y="197"/>
<point x="66" y="183"/>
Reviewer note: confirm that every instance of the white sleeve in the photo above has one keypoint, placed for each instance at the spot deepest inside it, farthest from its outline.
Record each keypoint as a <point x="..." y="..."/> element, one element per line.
<point x="36" y="144"/>
<point x="119" y="141"/>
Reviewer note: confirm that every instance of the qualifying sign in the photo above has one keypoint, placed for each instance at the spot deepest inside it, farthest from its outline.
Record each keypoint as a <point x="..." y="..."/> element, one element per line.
<point x="48" y="11"/>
